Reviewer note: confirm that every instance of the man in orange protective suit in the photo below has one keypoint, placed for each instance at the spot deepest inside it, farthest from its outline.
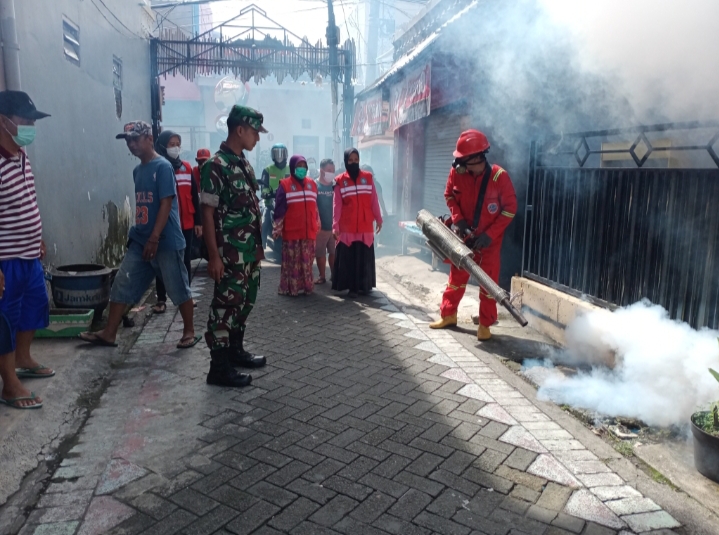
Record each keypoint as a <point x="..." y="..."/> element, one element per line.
<point x="482" y="203"/>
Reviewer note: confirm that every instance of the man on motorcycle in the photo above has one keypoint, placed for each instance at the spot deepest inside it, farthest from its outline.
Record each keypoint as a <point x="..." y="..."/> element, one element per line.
<point x="270" y="181"/>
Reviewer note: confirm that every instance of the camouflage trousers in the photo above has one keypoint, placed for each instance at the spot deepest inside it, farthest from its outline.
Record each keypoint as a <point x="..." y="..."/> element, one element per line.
<point x="233" y="300"/>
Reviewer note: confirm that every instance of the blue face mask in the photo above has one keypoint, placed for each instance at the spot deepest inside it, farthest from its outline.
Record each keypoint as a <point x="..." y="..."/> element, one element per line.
<point x="300" y="173"/>
<point x="25" y="135"/>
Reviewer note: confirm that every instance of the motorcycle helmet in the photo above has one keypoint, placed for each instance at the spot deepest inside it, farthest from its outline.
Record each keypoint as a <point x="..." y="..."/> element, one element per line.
<point x="279" y="154"/>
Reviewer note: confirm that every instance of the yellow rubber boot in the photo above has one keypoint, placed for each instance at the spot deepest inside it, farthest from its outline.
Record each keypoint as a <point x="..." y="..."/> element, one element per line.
<point x="483" y="333"/>
<point x="443" y="323"/>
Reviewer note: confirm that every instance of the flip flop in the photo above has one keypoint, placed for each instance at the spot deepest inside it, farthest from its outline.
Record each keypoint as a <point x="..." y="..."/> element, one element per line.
<point x="189" y="345"/>
<point x="92" y="338"/>
<point x="29" y="373"/>
<point x="11" y="402"/>
<point x="159" y="308"/>
<point x="320" y="280"/>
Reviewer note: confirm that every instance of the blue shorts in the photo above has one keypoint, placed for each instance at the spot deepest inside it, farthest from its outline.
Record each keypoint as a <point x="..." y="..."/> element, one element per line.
<point x="136" y="275"/>
<point x="24" y="305"/>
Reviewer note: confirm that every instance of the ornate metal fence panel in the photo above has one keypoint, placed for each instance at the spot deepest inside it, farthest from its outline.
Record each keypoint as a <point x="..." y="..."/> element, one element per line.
<point x="622" y="215"/>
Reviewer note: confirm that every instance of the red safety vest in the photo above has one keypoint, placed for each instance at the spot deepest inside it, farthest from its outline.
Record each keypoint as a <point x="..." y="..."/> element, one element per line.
<point x="300" y="221"/>
<point x="357" y="216"/>
<point x="183" y="176"/>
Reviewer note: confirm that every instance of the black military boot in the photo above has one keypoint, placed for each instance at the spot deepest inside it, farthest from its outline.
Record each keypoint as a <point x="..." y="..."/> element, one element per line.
<point x="222" y="373"/>
<point x="241" y="358"/>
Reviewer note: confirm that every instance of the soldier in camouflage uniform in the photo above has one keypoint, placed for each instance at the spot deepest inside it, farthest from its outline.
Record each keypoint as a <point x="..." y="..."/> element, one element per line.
<point x="231" y="221"/>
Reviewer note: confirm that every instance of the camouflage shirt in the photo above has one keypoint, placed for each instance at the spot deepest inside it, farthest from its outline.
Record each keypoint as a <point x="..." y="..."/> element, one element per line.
<point x="228" y="183"/>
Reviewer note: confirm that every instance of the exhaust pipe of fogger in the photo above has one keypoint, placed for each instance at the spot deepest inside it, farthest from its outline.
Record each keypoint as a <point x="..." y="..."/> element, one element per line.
<point x="447" y="245"/>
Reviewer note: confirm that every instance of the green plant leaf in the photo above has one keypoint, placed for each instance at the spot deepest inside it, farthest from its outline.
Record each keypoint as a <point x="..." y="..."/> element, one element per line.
<point x="714" y="373"/>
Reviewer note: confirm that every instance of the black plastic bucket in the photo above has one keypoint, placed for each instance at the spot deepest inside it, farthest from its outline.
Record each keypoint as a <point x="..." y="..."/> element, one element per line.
<point x="706" y="452"/>
<point x="81" y="286"/>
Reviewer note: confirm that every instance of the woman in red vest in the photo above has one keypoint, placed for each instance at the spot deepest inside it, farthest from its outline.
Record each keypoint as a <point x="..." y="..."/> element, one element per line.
<point x="356" y="209"/>
<point x="168" y="145"/>
<point x="296" y="219"/>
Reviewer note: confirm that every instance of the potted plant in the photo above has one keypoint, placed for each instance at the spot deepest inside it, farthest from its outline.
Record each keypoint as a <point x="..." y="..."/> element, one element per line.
<point x="705" y="428"/>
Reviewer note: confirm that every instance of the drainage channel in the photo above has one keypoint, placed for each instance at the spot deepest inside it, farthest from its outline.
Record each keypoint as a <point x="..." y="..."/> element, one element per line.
<point x="14" y="513"/>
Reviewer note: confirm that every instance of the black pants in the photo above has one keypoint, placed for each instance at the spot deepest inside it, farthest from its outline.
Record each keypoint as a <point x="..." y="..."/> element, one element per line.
<point x="189" y="235"/>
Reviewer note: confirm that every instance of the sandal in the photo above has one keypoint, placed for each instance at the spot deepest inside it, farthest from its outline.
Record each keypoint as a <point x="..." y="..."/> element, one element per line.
<point x="94" y="339"/>
<point x="29" y="373"/>
<point x="320" y="280"/>
<point x="12" y="402"/>
<point x="188" y="342"/>
<point x="159" y="308"/>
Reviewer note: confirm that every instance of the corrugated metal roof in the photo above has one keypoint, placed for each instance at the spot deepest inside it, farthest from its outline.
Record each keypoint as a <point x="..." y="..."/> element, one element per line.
<point x="417" y="51"/>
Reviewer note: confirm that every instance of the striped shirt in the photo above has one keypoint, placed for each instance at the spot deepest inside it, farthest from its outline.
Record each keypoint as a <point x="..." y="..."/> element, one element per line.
<point x="20" y="224"/>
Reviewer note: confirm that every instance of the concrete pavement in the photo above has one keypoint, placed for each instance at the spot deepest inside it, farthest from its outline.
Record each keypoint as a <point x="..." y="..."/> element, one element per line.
<point x="364" y="421"/>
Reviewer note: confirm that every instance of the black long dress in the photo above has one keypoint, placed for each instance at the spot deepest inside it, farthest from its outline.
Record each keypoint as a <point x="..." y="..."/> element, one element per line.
<point x="354" y="268"/>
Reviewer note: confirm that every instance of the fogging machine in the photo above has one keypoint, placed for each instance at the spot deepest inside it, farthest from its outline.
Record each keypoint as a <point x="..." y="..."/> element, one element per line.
<point x="448" y="246"/>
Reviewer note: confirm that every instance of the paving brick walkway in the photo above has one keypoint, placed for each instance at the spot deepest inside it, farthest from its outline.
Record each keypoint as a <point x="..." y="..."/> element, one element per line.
<point x="364" y="421"/>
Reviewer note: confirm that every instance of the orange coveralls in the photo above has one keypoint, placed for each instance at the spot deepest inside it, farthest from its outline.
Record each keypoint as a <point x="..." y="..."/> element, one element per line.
<point x="498" y="210"/>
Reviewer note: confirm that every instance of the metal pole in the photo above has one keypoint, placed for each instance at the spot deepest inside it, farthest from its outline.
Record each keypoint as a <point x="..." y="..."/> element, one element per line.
<point x="3" y="85"/>
<point x="10" y="47"/>
<point x="155" y="96"/>
<point x="372" y="42"/>
<point x="332" y="42"/>
<point x="348" y="100"/>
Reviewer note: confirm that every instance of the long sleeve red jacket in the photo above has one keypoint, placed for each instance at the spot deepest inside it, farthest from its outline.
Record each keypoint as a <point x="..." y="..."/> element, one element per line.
<point x="498" y="209"/>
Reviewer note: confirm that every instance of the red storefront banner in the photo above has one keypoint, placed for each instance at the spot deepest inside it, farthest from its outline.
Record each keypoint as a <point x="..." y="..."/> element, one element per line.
<point x="370" y="116"/>
<point x="409" y="100"/>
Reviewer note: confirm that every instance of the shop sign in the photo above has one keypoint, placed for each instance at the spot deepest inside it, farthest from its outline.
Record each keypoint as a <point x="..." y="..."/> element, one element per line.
<point x="370" y="116"/>
<point x="409" y="99"/>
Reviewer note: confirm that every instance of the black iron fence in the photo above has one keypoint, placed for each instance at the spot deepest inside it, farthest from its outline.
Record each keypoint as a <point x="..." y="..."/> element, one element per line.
<point x="621" y="215"/>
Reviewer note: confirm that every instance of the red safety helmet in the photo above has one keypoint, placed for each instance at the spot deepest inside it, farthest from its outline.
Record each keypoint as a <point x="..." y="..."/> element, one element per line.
<point x="471" y="142"/>
<point x="203" y="154"/>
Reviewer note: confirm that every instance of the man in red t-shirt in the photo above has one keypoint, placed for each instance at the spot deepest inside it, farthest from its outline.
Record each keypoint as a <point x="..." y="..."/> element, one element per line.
<point x="199" y="244"/>
<point x="202" y="156"/>
<point x="482" y="202"/>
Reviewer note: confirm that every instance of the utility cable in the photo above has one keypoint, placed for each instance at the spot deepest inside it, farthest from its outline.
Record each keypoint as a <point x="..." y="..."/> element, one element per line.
<point x="116" y="18"/>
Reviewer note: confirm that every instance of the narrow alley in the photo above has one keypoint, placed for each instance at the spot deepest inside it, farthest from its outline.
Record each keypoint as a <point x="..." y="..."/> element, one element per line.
<point x="364" y="421"/>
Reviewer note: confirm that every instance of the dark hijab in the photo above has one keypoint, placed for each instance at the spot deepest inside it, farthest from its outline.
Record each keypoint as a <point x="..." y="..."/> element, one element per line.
<point x="161" y="147"/>
<point x="352" y="171"/>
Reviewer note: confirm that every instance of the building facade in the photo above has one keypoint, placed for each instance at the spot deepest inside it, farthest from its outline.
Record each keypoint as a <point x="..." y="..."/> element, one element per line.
<point x="500" y="67"/>
<point x="87" y="64"/>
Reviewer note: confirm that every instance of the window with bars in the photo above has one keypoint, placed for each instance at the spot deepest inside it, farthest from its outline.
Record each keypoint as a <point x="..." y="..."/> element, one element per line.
<point x="117" y="84"/>
<point x="71" y="41"/>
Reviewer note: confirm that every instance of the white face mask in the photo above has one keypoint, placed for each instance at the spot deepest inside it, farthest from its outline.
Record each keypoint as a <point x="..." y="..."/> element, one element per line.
<point x="174" y="152"/>
<point x="327" y="176"/>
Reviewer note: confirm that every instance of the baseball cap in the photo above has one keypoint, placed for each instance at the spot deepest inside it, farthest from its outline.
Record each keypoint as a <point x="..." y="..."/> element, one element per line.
<point x="135" y="129"/>
<point x="250" y="116"/>
<point x="18" y="103"/>
<point x="203" y="154"/>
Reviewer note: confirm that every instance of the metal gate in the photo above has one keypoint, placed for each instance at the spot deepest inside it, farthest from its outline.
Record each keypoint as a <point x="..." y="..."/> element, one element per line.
<point x="250" y="45"/>
<point x="617" y="216"/>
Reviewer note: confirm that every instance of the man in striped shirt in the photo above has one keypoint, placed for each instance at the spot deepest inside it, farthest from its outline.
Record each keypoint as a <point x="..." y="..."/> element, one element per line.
<point x="24" y="304"/>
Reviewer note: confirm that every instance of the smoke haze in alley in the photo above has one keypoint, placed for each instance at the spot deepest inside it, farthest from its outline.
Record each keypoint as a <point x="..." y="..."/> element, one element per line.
<point x="664" y="53"/>
<point x="661" y="374"/>
<point x="662" y="56"/>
